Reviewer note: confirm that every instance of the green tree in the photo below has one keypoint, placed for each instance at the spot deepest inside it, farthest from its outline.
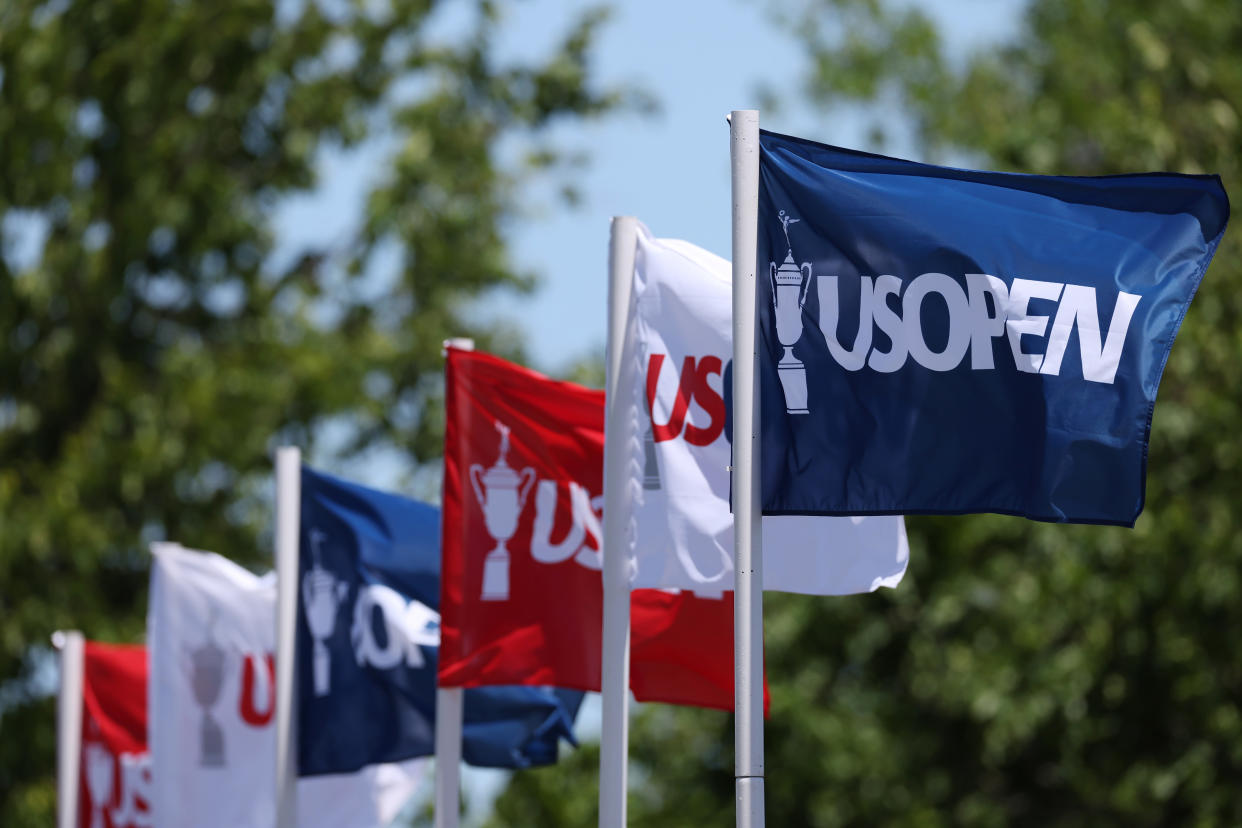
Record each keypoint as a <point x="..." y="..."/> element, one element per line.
<point x="152" y="348"/>
<point x="1023" y="674"/>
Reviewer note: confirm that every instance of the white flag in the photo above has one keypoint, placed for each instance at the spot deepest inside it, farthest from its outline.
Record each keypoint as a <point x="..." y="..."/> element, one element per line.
<point x="211" y="628"/>
<point x="678" y="342"/>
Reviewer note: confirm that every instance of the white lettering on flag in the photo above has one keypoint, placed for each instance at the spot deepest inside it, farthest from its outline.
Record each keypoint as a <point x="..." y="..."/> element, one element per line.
<point x="986" y="310"/>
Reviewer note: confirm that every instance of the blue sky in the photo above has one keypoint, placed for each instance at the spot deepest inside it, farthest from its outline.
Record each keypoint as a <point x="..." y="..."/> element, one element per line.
<point x="699" y="59"/>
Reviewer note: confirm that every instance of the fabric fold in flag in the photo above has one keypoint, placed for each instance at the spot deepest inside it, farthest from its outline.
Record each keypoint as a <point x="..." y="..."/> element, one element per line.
<point x="211" y="628"/>
<point x="676" y="363"/>
<point x="945" y="341"/>
<point x="522" y="596"/>
<point x="666" y="627"/>
<point x="115" y="789"/>
<point x="368" y="639"/>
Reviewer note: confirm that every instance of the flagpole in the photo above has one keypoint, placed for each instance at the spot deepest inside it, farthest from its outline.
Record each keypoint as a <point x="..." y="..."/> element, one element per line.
<point x="747" y="518"/>
<point x="288" y="517"/>
<point x="72" y="648"/>
<point x="615" y="673"/>
<point x="450" y="711"/>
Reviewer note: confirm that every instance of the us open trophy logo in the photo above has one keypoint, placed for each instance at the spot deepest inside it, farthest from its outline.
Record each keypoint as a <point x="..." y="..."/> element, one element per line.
<point x="207" y="666"/>
<point x="99" y="772"/>
<point x="322" y="594"/>
<point x="789" y="286"/>
<point x="501" y="493"/>
<point x="651" y="466"/>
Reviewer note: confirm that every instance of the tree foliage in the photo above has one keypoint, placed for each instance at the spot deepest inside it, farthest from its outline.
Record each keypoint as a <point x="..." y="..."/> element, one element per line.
<point x="153" y="348"/>
<point x="1023" y="674"/>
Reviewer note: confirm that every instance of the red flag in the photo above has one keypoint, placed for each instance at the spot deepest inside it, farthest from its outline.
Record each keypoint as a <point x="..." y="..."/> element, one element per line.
<point x="115" y="786"/>
<point x="521" y="593"/>
<point x="676" y="652"/>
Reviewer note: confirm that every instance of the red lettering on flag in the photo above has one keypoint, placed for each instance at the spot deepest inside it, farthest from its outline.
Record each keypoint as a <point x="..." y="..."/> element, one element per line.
<point x="250" y="712"/>
<point x="692" y="386"/>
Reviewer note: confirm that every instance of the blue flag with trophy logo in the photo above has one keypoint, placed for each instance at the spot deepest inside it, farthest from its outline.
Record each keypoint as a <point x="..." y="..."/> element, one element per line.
<point x="944" y="341"/>
<point x="368" y="637"/>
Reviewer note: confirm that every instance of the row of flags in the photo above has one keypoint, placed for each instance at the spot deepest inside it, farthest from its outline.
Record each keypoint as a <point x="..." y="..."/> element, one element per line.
<point x="515" y="618"/>
<point x="523" y="495"/>
<point x="931" y="340"/>
<point x="181" y="732"/>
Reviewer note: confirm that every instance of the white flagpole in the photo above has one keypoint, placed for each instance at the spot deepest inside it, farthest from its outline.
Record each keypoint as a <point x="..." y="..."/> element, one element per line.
<point x="747" y="518"/>
<point x="449" y="712"/>
<point x="615" y="676"/>
<point x="72" y="648"/>
<point x="288" y="517"/>
<point x="450" y="708"/>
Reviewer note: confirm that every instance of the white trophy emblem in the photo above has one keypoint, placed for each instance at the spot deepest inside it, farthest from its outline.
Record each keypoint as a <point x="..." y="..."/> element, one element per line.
<point x="789" y="286"/>
<point x="501" y="493"/>
<point x="99" y="773"/>
<point x="322" y="594"/>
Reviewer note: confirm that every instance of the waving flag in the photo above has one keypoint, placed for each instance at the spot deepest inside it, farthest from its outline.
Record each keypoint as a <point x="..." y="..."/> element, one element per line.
<point x="938" y="340"/>
<point x="211" y="630"/>
<point x="522" y="597"/>
<point x="368" y="635"/>
<point x="679" y="345"/>
<point x="115" y="790"/>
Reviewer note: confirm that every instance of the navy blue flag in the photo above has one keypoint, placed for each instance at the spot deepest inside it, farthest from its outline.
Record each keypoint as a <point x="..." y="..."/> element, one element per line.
<point x="368" y="639"/>
<point x="945" y="341"/>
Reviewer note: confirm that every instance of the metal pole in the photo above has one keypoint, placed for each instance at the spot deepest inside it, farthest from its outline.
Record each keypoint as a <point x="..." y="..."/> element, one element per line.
<point x="450" y="709"/>
<point x="615" y="675"/>
<point x="747" y="519"/>
<point x="72" y="648"/>
<point x="288" y="517"/>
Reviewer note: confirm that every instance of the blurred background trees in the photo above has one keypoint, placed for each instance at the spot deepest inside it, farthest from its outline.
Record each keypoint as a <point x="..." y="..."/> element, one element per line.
<point x="154" y="343"/>
<point x="1023" y="674"/>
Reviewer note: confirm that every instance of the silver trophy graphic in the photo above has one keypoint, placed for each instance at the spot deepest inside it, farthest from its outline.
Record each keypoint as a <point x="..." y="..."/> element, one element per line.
<point x="99" y="776"/>
<point x="322" y="594"/>
<point x="651" y="466"/>
<point x="501" y="493"/>
<point x="207" y="667"/>
<point x="789" y="286"/>
<point x="651" y="463"/>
